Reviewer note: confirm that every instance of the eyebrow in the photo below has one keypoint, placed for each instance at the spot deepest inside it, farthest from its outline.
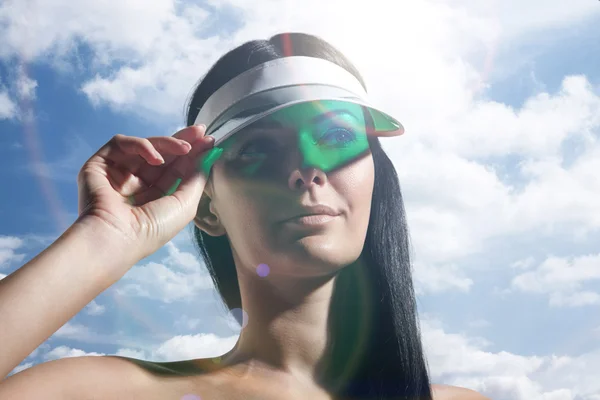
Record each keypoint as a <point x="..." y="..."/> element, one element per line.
<point x="330" y="114"/>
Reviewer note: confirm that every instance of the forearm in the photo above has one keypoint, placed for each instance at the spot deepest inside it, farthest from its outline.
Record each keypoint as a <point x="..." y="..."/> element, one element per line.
<point x="42" y="295"/>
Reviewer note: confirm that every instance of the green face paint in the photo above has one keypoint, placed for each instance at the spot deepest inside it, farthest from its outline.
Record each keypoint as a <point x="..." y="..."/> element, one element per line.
<point x="328" y="135"/>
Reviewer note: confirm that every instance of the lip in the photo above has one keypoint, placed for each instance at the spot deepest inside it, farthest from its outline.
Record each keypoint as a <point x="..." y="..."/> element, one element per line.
<point x="313" y="215"/>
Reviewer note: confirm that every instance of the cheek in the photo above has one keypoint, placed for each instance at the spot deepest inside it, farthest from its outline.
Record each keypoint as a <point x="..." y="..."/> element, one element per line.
<point x="355" y="184"/>
<point x="240" y="205"/>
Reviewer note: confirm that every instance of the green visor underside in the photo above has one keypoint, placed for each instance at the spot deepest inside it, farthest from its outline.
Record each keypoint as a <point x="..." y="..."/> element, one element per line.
<point x="328" y="134"/>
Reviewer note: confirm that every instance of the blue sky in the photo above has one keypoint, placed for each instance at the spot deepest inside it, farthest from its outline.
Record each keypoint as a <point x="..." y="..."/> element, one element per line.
<point x="502" y="107"/>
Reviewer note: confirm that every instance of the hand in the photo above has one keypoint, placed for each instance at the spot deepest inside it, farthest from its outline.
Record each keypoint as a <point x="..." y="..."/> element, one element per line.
<point x="144" y="190"/>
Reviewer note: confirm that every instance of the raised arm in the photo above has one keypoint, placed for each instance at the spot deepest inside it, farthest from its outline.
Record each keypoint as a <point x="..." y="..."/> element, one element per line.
<point x="135" y="195"/>
<point x="41" y="296"/>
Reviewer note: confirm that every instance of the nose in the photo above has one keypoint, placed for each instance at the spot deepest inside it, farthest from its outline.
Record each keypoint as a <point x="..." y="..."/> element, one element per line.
<point x="305" y="178"/>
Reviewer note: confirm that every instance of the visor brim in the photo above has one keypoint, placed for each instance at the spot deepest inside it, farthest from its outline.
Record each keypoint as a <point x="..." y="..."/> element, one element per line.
<point x="261" y="105"/>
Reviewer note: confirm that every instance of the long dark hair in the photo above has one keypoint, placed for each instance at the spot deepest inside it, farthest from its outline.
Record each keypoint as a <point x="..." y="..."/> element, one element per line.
<point x="374" y="346"/>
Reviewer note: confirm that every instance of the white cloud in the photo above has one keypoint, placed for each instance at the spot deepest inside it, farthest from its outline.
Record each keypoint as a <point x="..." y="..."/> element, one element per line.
<point x="95" y="309"/>
<point x="439" y="278"/>
<point x="177" y="348"/>
<point x="187" y="323"/>
<point x="8" y="108"/>
<point x="21" y="367"/>
<point x="177" y="277"/>
<point x="194" y="346"/>
<point x="533" y="15"/>
<point x="457" y="355"/>
<point x="21" y="88"/>
<point x="455" y="204"/>
<point x="158" y="281"/>
<point x="182" y="259"/>
<point x="10" y="242"/>
<point x="523" y="264"/>
<point x="574" y="206"/>
<point x="30" y="30"/>
<point x="464" y="361"/>
<point x="537" y="129"/>
<point x="66" y="352"/>
<point x="8" y="250"/>
<point x="82" y="333"/>
<point x="138" y="354"/>
<point x="563" y="280"/>
<point x="25" y="86"/>
<point x="184" y="347"/>
<point x="73" y="331"/>
<point x="168" y="50"/>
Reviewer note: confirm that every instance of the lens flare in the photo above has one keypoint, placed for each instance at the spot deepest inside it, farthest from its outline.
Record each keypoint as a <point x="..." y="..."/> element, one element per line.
<point x="191" y="397"/>
<point x="262" y="270"/>
<point x="36" y="156"/>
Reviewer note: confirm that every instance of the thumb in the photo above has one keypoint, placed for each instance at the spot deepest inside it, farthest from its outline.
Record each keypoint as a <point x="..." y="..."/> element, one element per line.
<point x="187" y="191"/>
<point x="179" y="205"/>
<point x="192" y="186"/>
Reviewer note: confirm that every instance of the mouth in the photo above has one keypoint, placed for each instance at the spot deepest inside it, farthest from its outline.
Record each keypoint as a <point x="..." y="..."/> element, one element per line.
<point x="313" y="216"/>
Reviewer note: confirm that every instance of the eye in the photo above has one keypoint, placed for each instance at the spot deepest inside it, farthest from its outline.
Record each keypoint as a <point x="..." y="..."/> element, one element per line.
<point x="337" y="137"/>
<point x="257" y="148"/>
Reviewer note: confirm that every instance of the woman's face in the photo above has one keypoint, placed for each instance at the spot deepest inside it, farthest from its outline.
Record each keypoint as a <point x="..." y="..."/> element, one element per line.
<point x="293" y="191"/>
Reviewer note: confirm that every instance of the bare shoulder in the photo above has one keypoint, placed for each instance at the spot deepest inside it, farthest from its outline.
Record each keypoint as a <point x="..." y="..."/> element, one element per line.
<point x="447" y="392"/>
<point x="86" y="377"/>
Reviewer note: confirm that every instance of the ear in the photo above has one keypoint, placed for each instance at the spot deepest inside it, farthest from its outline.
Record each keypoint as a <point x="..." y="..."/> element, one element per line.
<point x="207" y="219"/>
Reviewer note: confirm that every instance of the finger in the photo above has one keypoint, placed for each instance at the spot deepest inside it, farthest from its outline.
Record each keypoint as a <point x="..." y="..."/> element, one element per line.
<point x="149" y="173"/>
<point x="113" y="155"/>
<point x="190" y="189"/>
<point x="184" y="199"/>
<point x="152" y="151"/>
<point x="191" y="133"/>
<point x="175" y="174"/>
<point x="131" y="145"/>
<point x="166" y="147"/>
<point x="182" y="167"/>
<point x="169" y="145"/>
<point x="124" y="182"/>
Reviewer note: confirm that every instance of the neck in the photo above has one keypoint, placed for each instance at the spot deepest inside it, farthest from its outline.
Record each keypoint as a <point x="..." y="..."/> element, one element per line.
<point x="286" y="328"/>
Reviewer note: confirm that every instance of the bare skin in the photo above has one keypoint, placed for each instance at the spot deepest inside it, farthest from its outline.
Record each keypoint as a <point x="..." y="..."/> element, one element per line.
<point x="278" y="351"/>
<point x="116" y="378"/>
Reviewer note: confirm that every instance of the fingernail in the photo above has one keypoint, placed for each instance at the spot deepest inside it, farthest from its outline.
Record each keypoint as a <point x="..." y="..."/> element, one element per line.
<point x="206" y="162"/>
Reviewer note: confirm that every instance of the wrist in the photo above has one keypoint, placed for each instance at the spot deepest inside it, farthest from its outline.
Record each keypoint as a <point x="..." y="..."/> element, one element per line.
<point x="109" y="251"/>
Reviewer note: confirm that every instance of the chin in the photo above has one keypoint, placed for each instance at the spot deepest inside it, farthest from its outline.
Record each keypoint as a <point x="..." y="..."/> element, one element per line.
<point x="325" y="256"/>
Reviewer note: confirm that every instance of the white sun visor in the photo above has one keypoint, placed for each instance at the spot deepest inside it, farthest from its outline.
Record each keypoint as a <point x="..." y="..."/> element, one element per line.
<point x="280" y="83"/>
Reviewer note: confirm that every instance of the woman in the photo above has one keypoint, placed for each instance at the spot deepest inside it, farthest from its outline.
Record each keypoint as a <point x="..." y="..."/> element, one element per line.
<point x="301" y="224"/>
